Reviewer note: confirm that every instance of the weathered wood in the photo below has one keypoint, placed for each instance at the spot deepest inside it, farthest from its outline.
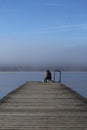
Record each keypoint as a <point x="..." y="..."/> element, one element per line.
<point x="43" y="106"/>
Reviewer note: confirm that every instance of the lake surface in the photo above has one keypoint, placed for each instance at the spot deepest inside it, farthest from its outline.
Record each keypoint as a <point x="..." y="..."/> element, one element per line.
<point x="11" y="80"/>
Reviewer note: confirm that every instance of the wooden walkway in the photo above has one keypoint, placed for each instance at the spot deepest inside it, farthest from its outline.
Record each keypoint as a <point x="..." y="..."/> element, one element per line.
<point x="43" y="106"/>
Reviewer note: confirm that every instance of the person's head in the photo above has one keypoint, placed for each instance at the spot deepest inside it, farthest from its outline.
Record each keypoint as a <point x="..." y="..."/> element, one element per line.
<point x="47" y="71"/>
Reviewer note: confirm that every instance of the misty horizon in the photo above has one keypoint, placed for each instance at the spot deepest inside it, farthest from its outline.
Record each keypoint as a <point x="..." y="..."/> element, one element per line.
<point x="74" y="56"/>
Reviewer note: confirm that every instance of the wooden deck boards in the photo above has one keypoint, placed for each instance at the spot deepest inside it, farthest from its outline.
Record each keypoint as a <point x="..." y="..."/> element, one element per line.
<point x="43" y="106"/>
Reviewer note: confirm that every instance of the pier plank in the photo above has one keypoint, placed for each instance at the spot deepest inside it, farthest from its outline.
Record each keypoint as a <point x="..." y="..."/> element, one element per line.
<point x="43" y="106"/>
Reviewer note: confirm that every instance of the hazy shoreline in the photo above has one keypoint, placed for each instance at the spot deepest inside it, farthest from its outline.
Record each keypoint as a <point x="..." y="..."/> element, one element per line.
<point x="28" y="68"/>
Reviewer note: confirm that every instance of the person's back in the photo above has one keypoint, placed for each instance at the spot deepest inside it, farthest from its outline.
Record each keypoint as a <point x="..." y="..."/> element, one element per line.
<point x="47" y="76"/>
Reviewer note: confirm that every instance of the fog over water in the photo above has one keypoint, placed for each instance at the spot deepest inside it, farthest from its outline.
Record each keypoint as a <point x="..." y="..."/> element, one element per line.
<point x="43" y="54"/>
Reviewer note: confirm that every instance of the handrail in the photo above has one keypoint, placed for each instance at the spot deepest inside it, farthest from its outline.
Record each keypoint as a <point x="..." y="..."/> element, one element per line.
<point x="59" y="75"/>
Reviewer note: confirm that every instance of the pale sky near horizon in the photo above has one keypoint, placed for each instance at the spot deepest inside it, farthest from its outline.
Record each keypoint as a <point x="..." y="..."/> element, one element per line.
<point x="43" y="32"/>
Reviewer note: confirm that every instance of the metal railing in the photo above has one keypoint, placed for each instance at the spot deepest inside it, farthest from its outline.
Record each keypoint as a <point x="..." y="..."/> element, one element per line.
<point x="59" y="72"/>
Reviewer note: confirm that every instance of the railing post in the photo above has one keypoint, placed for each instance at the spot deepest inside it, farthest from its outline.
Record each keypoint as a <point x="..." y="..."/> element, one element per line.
<point x="59" y="75"/>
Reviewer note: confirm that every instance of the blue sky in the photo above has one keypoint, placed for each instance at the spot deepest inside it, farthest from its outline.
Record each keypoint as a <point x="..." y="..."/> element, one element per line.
<point x="43" y="32"/>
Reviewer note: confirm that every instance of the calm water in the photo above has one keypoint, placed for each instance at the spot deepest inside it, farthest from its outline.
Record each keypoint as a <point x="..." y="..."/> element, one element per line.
<point x="11" y="80"/>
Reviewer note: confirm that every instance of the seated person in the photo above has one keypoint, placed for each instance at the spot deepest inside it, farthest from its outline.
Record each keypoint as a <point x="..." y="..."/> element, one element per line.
<point x="47" y="76"/>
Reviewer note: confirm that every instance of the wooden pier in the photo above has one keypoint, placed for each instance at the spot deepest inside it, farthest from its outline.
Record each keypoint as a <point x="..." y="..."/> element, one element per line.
<point x="43" y="106"/>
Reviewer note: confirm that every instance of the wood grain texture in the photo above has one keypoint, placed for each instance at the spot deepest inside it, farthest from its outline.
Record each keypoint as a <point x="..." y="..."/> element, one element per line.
<point x="43" y="106"/>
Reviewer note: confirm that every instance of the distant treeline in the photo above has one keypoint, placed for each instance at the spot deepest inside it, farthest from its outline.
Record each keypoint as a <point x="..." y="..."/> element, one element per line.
<point x="28" y="68"/>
